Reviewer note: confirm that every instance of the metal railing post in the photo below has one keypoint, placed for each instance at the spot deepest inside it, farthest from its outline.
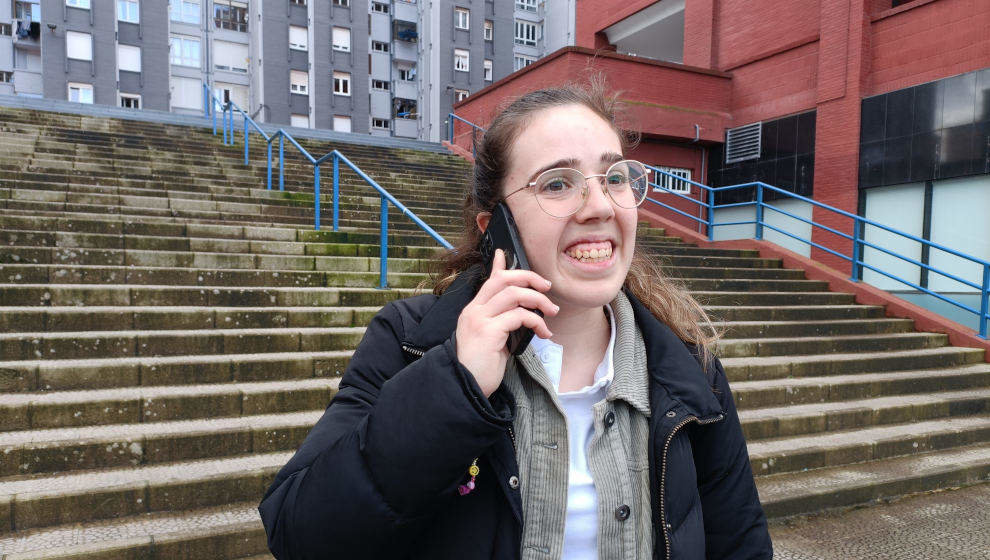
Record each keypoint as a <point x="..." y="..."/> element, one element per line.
<point x="857" y="253"/>
<point x="316" y="194"/>
<point x="269" y="165"/>
<point x="223" y="123"/>
<point x="245" y="140"/>
<point x="985" y="302"/>
<point x="474" y="143"/>
<point x="214" y="117"/>
<point x="230" y="124"/>
<point x="336" y="190"/>
<point x="711" y="215"/>
<point x="447" y="125"/>
<point x="383" y="255"/>
<point x="759" y="211"/>
<point x="206" y="101"/>
<point x="281" y="162"/>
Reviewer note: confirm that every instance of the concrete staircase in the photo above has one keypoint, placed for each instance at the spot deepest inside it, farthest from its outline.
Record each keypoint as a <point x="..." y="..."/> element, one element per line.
<point x="169" y="332"/>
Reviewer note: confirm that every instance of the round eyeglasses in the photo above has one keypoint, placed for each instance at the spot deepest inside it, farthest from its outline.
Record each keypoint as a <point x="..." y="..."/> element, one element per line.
<point x="563" y="191"/>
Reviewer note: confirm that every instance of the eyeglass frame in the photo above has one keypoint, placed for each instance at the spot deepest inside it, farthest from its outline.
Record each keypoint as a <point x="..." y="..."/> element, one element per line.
<point x="586" y="190"/>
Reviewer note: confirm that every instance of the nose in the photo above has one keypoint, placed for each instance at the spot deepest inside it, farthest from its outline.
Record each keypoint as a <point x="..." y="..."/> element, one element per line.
<point x="598" y="204"/>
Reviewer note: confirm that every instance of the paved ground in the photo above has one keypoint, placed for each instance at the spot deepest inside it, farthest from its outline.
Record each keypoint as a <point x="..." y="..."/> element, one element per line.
<point x="949" y="525"/>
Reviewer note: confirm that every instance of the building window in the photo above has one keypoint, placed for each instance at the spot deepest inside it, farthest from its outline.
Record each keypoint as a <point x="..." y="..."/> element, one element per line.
<point x="379" y="7"/>
<point x="232" y="57"/>
<point x="407" y="74"/>
<point x="186" y="11"/>
<point x="379" y="123"/>
<point x="186" y="93"/>
<point x="130" y="101"/>
<point x="80" y="93"/>
<point x="299" y="121"/>
<point x="299" y="82"/>
<point x="461" y="95"/>
<point x="6" y="77"/>
<point x="525" y="33"/>
<point x="379" y="46"/>
<point x="78" y="46"/>
<point x="127" y="10"/>
<point x="341" y="39"/>
<point x="379" y="85"/>
<point x="299" y="3"/>
<point x="184" y="51"/>
<point x="341" y="83"/>
<point x="84" y="4"/>
<point x="462" y="18"/>
<point x="341" y="123"/>
<point x="404" y="108"/>
<point x="462" y="60"/>
<point x="298" y="38"/>
<point x="5" y="29"/>
<point x="521" y="61"/>
<point x="128" y="58"/>
<point x="230" y="14"/>
<point x="488" y="70"/>
<point x="489" y="30"/>
<point x="676" y="184"/>
<point x="526" y="5"/>
<point x="342" y="3"/>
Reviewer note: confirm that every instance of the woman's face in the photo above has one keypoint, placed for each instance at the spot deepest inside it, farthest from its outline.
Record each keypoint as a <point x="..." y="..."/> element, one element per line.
<point x="563" y="250"/>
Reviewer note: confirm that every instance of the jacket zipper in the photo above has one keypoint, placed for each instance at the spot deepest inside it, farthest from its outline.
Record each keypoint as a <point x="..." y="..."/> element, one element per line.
<point x="414" y="351"/>
<point x="512" y="436"/>
<point x="663" y="470"/>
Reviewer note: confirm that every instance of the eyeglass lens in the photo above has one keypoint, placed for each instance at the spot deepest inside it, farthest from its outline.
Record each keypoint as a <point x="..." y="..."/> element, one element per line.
<point x="561" y="192"/>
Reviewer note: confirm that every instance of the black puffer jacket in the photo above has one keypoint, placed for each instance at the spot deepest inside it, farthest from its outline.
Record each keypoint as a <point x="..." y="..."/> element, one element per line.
<point x="377" y="476"/>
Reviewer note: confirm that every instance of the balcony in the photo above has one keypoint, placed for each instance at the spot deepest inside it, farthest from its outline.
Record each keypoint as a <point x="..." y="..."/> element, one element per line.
<point x="405" y="31"/>
<point x="27" y="35"/>
<point x="404" y="50"/>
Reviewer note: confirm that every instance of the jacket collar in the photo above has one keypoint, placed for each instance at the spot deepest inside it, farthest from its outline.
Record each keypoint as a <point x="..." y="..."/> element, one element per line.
<point x="673" y="366"/>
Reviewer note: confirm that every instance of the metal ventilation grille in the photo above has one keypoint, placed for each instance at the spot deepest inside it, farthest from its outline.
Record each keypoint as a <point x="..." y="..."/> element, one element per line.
<point x="742" y="143"/>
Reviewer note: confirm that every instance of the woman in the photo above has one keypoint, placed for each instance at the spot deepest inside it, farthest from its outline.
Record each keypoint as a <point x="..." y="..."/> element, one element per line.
<point x="614" y="435"/>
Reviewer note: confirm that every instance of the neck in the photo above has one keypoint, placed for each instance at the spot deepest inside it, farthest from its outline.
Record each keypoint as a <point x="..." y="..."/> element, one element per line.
<point x="583" y="334"/>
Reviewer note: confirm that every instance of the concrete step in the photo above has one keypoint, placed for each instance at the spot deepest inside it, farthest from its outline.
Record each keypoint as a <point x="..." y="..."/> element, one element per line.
<point x="708" y="298"/>
<point x="140" y="343"/>
<point x="733" y="313"/>
<point x="61" y="319"/>
<point x="817" y="365"/>
<point x="795" y="420"/>
<point x="798" y="346"/>
<point x="45" y="501"/>
<point x="799" y="391"/>
<point x="864" y="483"/>
<point x="810" y="327"/>
<point x="129" y="405"/>
<point x="108" y="373"/>
<point x="228" y="532"/>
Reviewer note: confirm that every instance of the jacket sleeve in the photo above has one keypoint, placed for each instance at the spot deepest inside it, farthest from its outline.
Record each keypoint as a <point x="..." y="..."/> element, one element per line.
<point x="394" y="442"/>
<point x="735" y="524"/>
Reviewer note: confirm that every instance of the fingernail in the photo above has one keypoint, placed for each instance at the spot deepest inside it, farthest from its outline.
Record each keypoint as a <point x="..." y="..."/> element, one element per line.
<point x="548" y="283"/>
<point x="556" y="308"/>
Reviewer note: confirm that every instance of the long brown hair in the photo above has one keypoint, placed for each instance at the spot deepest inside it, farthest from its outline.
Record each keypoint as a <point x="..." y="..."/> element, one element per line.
<point x="665" y="297"/>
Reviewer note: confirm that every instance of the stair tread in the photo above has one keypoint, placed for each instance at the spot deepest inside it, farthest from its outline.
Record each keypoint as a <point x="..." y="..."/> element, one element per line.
<point x="172" y="333"/>
<point x="816" y="409"/>
<point x="813" y="358"/>
<point x="798" y="382"/>
<point x="168" y="360"/>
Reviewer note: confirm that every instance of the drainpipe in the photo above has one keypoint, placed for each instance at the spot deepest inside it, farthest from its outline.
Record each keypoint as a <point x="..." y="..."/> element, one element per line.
<point x="704" y="154"/>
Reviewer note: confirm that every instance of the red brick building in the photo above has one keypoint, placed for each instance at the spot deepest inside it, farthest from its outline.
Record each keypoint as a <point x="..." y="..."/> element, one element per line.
<point x="861" y="102"/>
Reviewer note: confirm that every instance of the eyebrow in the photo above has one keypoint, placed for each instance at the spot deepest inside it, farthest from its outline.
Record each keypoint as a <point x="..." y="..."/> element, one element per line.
<point x="606" y="158"/>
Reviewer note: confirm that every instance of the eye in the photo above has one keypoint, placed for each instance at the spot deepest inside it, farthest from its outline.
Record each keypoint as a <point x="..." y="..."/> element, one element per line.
<point x="555" y="185"/>
<point x="617" y="178"/>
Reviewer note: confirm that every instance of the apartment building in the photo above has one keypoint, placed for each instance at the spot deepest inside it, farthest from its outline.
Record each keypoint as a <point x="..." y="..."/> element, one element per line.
<point x="389" y="67"/>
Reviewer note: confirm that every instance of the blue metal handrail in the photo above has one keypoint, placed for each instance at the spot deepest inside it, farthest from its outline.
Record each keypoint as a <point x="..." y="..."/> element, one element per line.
<point x="211" y="104"/>
<point x="858" y="238"/>
<point x="474" y="130"/>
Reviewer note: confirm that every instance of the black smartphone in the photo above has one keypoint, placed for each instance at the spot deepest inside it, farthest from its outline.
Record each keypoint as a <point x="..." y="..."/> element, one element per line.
<point x="501" y="233"/>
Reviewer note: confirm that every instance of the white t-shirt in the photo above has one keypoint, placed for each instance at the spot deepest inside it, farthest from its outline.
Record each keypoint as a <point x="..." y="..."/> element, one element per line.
<point x="581" y="521"/>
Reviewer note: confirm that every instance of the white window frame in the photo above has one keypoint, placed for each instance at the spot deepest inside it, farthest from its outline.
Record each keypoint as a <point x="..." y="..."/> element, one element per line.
<point x="186" y="11"/>
<point x="407" y="74"/>
<point x="120" y="57"/>
<point x="240" y="67"/>
<point x="301" y="3"/>
<point x="462" y="60"/>
<point x="6" y="29"/>
<point x="342" y="83"/>
<point x="489" y="70"/>
<point x="526" y="5"/>
<point x="339" y="44"/>
<point x="342" y="3"/>
<point x="83" y="49"/>
<point x="671" y="184"/>
<point x="191" y="95"/>
<point x="379" y="7"/>
<point x="525" y="33"/>
<point x="296" y="84"/>
<point x="489" y="30"/>
<point x="295" y="116"/>
<point x="81" y="88"/>
<point x="518" y="59"/>
<point x="81" y="4"/>
<point x="342" y="119"/>
<point x="462" y="18"/>
<point x="379" y="124"/>
<point x="298" y="38"/>
<point x="379" y="47"/>
<point x="380" y="85"/>
<point x="461" y="95"/>
<point x="133" y="96"/>
<point x="176" y="48"/>
<point x="137" y="11"/>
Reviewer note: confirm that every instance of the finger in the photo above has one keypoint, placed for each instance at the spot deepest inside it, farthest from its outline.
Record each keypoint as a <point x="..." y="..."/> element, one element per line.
<point x="518" y="296"/>
<point x="502" y="278"/>
<point x="521" y="317"/>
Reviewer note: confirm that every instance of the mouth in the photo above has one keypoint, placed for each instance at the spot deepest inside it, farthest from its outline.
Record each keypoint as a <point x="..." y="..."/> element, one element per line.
<point x="591" y="251"/>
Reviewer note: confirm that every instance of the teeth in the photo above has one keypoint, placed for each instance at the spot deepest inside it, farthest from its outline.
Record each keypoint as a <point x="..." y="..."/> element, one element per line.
<point x="592" y="254"/>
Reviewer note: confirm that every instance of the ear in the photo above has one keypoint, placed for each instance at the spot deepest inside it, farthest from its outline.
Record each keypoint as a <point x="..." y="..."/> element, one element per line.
<point x="482" y="220"/>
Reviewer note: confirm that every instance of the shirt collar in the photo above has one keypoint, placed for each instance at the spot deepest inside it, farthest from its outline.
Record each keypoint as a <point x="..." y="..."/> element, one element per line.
<point x="551" y="356"/>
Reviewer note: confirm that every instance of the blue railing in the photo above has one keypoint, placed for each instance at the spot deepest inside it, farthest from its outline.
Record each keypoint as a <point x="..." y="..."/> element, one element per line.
<point x="212" y="104"/>
<point x="707" y="203"/>
<point x="474" y="130"/>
